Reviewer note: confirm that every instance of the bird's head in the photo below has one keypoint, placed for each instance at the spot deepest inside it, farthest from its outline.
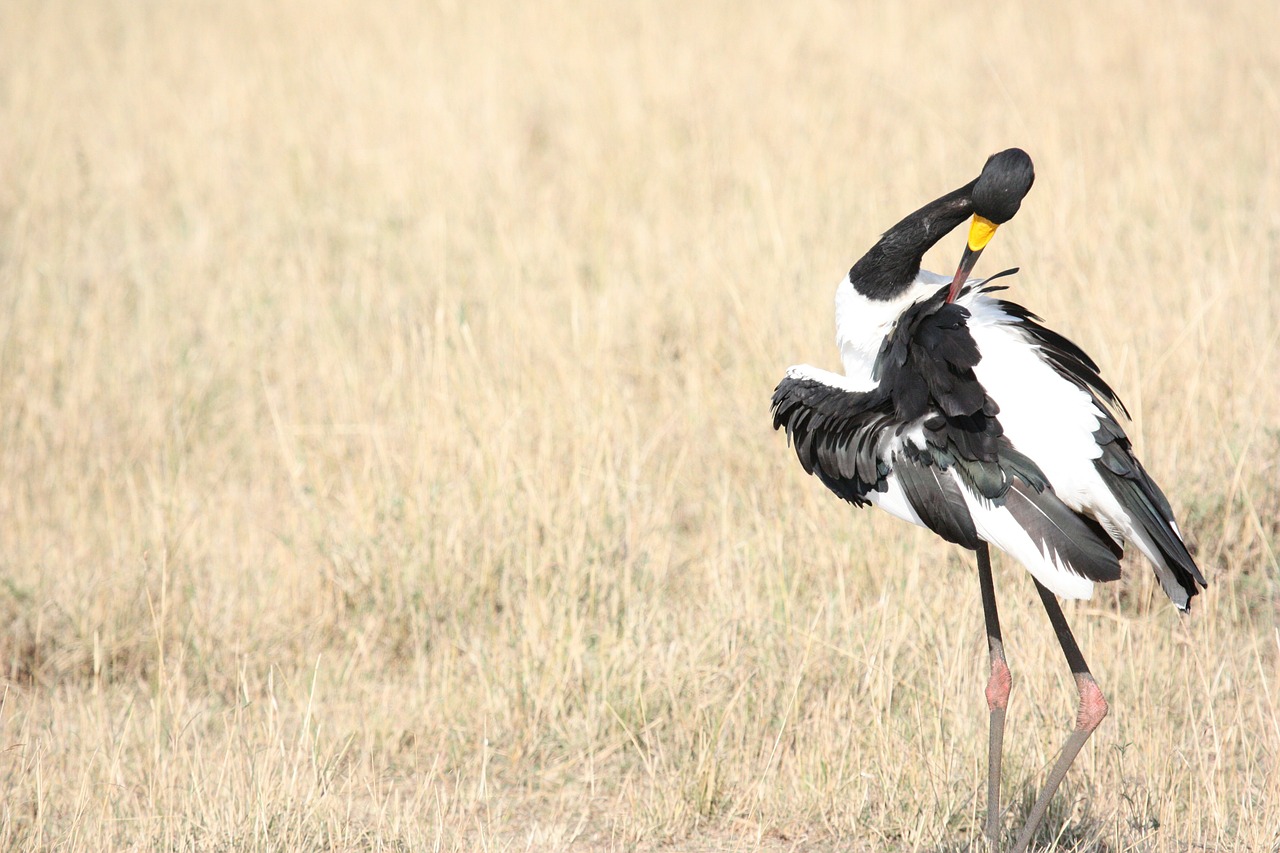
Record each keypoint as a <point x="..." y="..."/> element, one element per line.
<point x="996" y="196"/>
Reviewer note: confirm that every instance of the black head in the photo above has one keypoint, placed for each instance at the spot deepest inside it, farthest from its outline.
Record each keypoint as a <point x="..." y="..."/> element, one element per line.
<point x="1005" y="180"/>
<point x="891" y="265"/>
<point x="995" y="198"/>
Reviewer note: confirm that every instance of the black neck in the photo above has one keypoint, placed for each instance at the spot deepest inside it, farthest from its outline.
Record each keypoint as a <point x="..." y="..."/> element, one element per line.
<point x="891" y="265"/>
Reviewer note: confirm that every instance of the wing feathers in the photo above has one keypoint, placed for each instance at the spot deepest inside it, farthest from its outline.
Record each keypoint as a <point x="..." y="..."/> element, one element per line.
<point x="833" y="432"/>
<point x="1148" y="509"/>
<point x="937" y="499"/>
<point x="1081" y="548"/>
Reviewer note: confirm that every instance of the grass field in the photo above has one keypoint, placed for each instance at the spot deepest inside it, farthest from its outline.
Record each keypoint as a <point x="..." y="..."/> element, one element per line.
<point x="385" y="455"/>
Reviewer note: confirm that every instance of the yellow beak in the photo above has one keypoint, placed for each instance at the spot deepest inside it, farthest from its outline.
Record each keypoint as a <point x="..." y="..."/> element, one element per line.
<point x="981" y="230"/>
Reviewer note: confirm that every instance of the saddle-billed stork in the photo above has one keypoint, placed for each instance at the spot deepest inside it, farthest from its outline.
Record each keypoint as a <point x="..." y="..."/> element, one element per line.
<point x="958" y="411"/>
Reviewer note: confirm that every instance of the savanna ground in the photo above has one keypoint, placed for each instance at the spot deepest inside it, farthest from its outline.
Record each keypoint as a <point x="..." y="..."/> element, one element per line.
<point x="385" y="457"/>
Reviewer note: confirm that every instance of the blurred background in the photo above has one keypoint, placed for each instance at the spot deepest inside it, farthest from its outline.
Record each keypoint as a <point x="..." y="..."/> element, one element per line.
<point x="385" y="450"/>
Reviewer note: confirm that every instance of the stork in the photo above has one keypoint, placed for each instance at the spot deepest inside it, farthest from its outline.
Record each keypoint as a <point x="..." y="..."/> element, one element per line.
<point x="960" y="412"/>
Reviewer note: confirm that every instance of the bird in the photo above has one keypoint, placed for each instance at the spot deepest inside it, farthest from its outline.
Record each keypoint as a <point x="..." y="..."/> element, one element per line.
<point x="961" y="412"/>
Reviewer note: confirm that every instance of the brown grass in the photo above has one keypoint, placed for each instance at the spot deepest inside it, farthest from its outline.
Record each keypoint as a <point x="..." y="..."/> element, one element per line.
<point x="385" y="441"/>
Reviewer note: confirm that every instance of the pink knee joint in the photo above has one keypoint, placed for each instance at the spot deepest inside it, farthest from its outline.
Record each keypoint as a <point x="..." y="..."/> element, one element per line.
<point x="1093" y="707"/>
<point x="999" y="685"/>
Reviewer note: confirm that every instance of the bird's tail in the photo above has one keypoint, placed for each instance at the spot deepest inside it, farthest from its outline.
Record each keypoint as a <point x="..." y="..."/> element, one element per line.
<point x="1157" y="535"/>
<point x="1152" y="527"/>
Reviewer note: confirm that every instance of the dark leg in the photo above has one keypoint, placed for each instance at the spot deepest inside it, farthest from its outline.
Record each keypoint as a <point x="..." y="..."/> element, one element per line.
<point x="1090" y="713"/>
<point x="998" y="686"/>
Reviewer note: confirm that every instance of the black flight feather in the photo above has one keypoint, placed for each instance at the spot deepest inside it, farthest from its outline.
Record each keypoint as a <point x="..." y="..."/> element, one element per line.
<point x="937" y="499"/>
<point x="1081" y="547"/>
<point x="1145" y="504"/>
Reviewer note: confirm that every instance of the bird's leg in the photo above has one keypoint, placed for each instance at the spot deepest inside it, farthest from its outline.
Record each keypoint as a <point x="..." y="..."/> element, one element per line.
<point x="1089" y="714"/>
<point x="998" y="686"/>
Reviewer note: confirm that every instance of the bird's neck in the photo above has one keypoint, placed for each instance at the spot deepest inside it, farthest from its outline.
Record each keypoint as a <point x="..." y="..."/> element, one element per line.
<point x="889" y="268"/>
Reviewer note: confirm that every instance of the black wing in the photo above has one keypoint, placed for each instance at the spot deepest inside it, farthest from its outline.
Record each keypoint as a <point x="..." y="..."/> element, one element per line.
<point x="925" y="379"/>
<point x="838" y="436"/>
<point x="835" y="433"/>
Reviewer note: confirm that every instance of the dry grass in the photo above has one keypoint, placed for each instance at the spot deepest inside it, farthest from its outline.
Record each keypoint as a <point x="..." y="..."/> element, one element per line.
<point x="384" y="433"/>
